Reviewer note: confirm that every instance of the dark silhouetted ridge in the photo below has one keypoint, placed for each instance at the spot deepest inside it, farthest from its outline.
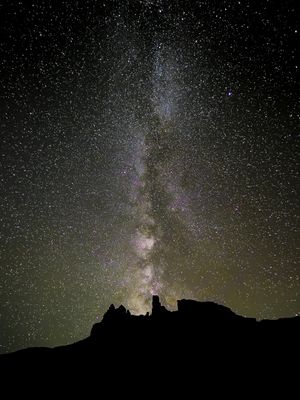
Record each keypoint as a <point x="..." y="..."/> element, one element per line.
<point x="198" y="332"/>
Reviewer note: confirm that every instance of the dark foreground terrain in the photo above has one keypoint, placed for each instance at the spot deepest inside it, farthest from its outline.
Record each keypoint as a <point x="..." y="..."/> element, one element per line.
<point x="200" y="339"/>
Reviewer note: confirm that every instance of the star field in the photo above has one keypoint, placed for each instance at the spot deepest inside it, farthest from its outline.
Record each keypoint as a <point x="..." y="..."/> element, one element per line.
<point x="147" y="147"/>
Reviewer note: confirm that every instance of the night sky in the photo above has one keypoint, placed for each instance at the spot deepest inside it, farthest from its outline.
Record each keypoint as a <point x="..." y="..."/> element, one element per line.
<point x="147" y="147"/>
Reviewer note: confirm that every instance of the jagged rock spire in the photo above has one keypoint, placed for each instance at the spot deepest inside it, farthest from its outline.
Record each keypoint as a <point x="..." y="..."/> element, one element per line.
<point x="157" y="308"/>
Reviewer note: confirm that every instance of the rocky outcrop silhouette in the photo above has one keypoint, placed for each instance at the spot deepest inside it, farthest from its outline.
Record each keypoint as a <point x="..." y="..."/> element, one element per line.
<point x="197" y="332"/>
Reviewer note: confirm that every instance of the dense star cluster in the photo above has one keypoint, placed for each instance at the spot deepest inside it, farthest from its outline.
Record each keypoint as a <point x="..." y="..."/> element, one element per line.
<point x="147" y="147"/>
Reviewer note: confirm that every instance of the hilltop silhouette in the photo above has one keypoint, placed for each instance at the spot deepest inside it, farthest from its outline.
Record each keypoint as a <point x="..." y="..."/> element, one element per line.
<point x="199" y="336"/>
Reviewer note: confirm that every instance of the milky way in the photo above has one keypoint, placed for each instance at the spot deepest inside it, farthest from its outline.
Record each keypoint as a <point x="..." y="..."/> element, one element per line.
<point x="149" y="186"/>
<point x="147" y="147"/>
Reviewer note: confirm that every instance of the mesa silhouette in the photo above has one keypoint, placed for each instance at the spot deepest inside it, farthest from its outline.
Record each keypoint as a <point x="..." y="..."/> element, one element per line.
<point x="200" y="330"/>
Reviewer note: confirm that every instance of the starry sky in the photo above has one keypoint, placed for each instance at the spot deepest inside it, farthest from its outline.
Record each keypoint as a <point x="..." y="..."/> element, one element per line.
<point x="146" y="147"/>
